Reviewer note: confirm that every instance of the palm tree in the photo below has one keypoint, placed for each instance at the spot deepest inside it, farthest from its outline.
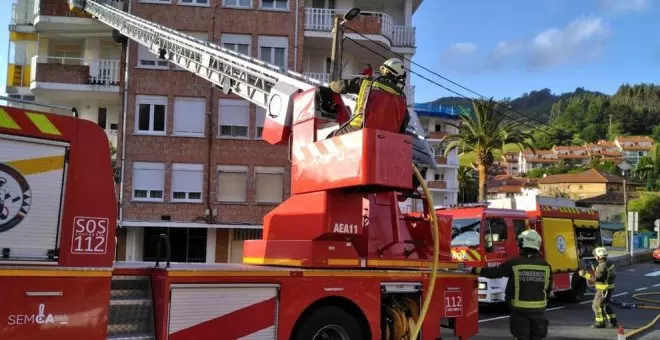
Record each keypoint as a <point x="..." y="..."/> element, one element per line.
<point x="467" y="183"/>
<point x="484" y="132"/>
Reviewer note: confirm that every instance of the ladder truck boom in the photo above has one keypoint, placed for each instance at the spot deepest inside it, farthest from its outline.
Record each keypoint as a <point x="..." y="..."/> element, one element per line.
<point x="261" y="83"/>
<point x="338" y="257"/>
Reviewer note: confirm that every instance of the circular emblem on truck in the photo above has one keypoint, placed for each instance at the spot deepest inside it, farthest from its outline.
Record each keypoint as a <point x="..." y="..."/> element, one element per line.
<point x="561" y="244"/>
<point x="15" y="197"/>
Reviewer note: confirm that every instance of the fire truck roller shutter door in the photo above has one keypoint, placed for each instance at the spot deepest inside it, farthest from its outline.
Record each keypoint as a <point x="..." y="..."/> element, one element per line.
<point x="559" y="244"/>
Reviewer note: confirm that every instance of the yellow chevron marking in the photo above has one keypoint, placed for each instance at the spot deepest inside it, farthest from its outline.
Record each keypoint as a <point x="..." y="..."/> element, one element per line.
<point x="43" y="123"/>
<point x="37" y="165"/>
<point x="7" y="122"/>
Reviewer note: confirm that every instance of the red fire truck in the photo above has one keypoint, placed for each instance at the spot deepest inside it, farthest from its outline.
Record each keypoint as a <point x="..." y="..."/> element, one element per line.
<point x="338" y="259"/>
<point x="485" y="236"/>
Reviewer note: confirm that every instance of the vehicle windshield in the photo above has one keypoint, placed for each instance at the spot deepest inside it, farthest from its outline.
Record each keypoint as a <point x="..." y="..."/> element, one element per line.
<point x="465" y="232"/>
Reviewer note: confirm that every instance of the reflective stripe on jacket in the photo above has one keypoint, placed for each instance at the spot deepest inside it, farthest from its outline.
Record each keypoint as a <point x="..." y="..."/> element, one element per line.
<point x="366" y="86"/>
<point x="604" y="275"/>
<point x="529" y="284"/>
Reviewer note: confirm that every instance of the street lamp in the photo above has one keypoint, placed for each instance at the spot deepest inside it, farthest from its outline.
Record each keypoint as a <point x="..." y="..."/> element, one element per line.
<point x="337" y="41"/>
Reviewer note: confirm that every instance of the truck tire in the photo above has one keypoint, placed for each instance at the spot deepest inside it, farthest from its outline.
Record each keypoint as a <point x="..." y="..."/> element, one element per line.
<point x="329" y="322"/>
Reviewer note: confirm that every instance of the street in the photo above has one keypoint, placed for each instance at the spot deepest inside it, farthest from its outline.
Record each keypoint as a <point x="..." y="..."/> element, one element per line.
<point x="571" y="321"/>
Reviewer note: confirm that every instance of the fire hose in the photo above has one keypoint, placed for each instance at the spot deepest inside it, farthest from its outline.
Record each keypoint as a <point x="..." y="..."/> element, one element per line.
<point x="407" y="318"/>
<point x="639" y="297"/>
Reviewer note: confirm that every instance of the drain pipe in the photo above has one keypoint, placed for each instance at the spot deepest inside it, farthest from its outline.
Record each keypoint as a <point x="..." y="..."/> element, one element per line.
<point x="123" y="129"/>
<point x="295" y="38"/>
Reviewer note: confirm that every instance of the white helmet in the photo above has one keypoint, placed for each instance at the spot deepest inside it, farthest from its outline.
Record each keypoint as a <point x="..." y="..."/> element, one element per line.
<point x="530" y="239"/>
<point x="393" y="66"/>
<point x="600" y="252"/>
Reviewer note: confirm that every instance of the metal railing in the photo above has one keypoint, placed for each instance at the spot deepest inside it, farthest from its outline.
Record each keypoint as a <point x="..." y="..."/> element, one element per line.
<point x="321" y="19"/>
<point x="101" y="71"/>
<point x="20" y="13"/>
<point x="325" y="77"/>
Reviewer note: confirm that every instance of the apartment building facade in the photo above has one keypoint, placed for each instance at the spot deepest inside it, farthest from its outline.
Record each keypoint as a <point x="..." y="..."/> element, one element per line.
<point x="194" y="166"/>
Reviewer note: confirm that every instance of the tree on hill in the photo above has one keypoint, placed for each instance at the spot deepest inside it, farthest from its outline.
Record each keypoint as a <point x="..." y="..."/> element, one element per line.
<point x="485" y="131"/>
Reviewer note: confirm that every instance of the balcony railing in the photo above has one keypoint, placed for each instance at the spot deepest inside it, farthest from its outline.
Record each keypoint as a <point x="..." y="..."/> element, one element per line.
<point x="436" y="134"/>
<point x="325" y="77"/>
<point x="75" y="70"/>
<point x="21" y="13"/>
<point x="321" y="19"/>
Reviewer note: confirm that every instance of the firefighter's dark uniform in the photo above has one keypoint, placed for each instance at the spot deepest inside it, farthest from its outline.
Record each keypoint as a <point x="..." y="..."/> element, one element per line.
<point x="363" y="87"/>
<point x="527" y="291"/>
<point x="604" y="277"/>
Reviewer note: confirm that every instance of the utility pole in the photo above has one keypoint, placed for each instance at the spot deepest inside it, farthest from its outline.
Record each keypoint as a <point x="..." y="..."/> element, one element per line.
<point x="625" y="217"/>
<point x="338" y="42"/>
<point x="337" y="49"/>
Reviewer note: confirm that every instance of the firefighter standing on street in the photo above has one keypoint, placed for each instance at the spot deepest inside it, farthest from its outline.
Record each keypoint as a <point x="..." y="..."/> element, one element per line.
<point x="384" y="96"/>
<point x="604" y="276"/>
<point x="528" y="287"/>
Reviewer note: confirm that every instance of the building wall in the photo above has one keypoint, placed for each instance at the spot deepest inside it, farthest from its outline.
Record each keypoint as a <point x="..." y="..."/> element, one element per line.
<point x="575" y="190"/>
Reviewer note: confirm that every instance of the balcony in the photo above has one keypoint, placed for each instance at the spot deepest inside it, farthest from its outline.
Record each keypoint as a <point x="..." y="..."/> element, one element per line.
<point x="56" y="15"/>
<point x="442" y="185"/>
<point x="368" y="23"/>
<point x="60" y="77"/>
<point x="22" y="15"/>
<point x="436" y="135"/>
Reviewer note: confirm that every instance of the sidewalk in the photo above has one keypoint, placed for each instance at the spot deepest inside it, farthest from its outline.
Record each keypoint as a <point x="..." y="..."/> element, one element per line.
<point x="620" y="257"/>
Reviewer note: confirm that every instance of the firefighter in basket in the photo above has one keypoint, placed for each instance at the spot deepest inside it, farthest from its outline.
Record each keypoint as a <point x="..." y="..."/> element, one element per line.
<point x="382" y="98"/>
<point x="604" y="276"/>
<point x="528" y="287"/>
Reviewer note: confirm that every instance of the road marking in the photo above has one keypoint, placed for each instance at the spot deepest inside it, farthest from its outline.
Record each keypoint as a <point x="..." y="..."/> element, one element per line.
<point x="615" y="295"/>
<point x="588" y="293"/>
<point x="655" y="273"/>
<point x="643" y="288"/>
<point x="506" y="316"/>
<point x="585" y="302"/>
<point x="656" y="285"/>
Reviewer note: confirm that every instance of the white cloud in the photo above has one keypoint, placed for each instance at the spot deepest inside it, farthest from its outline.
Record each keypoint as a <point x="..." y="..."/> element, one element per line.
<point x="578" y="41"/>
<point x="623" y="6"/>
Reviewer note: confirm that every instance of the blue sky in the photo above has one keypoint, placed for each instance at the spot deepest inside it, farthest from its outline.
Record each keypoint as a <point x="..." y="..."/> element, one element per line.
<point x="506" y="48"/>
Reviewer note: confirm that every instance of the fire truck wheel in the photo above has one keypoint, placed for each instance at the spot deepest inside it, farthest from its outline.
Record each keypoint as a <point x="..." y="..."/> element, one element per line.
<point x="330" y="322"/>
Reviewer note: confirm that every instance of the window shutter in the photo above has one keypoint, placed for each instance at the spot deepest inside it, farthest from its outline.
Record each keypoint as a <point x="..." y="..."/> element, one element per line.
<point x="234" y="112"/>
<point x="232" y="186"/>
<point x="148" y="176"/>
<point x="187" y="177"/>
<point x="189" y="116"/>
<point x="269" y="184"/>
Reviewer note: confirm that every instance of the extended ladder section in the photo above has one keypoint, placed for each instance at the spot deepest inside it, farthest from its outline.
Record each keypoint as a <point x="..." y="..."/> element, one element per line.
<point x="259" y="82"/>
<point x="249" y="78"/>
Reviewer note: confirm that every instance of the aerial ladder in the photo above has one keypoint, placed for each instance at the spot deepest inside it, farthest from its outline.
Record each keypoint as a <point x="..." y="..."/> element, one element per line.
<point x="357" y="163"/>
<point x="343" y="211"/>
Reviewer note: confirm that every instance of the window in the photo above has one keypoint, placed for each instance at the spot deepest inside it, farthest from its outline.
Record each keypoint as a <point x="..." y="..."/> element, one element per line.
<point x="268" y="184"/>
<point x="187" y="182"/>
<point x="148" y="181"/>
<point x="518" y="227"/>
<point x="240" y="43"/>
<point x="204" y="3"/>
<point x="189" y="116"/>
<point x="260" y="118"/>
<point x="150" y="115"/>
<point x="155" y="1"/>
<point x="232" y="183"/>
<point x="102" y="117"/>
<point x="274" y="50"/>
<point x="275" y="4"/>
<point x="237" y="3"/>
<point x="323" y="4"/>
<point x="186" y="244"/>
<point x="234" y="118"/>
<point x="147" y="59"/>
<point x="497" y="228"/>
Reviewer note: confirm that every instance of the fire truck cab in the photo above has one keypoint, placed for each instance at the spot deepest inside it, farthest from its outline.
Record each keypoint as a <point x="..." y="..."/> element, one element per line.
<point x="485" y="236"/>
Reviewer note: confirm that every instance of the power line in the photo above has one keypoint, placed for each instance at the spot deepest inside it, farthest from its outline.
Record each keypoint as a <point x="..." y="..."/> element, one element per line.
<point x="519" y="120"/>
<point x="442" y="77"/>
